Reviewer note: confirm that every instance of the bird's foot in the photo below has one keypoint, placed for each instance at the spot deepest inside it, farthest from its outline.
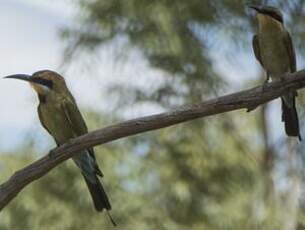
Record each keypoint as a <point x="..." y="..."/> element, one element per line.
<point x="266" y="81"/>
<point x="251" y="108"/>
<point x="283" y="79"/>
<point x="264" y="86"/>
<point x="52" y="154"/>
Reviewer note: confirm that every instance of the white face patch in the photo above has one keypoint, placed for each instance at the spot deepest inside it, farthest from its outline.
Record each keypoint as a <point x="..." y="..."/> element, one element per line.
<point x="40" y="89"/>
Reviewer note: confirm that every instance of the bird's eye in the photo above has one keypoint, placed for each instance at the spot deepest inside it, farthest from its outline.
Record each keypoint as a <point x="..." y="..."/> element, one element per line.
<point x="278" y="17"/>
<point x="42" y="81"/>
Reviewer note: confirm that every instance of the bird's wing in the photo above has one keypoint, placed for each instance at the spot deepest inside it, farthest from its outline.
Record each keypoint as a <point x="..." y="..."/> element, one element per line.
<point x="290" y="50"/>
<point x="256" y="49"/>
<point x="74" y="117"/>
<point x="77" y="124"/>
<point x="43" y="123"/>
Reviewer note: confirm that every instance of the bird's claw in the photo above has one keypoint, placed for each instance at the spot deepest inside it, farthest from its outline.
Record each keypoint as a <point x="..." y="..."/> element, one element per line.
<point x="52" y="154"/>
<point x="251" y="108"/>
<point x="264" y="87"/>
<point x="267" y="80"/>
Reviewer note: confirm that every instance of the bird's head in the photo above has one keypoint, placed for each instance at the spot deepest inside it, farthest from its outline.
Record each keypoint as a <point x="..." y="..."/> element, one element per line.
<point x="270" y="11"/>
<point x="43" y="82"/>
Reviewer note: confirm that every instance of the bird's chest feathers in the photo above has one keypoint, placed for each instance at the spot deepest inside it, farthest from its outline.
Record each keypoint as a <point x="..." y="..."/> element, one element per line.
<point x="51" y="106"/>
<point x="52" y="111"/>
<point x="272" y="45"/>
<point x="55" y="119"/>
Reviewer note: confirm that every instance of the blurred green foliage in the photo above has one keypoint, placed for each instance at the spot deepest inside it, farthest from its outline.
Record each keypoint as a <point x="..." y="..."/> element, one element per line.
<point x="205" y="174"/>
<point x="152" y="183"/>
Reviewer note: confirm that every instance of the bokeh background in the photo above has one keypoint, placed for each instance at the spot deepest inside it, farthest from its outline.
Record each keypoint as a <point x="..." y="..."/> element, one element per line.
<point x="127" y="58"/>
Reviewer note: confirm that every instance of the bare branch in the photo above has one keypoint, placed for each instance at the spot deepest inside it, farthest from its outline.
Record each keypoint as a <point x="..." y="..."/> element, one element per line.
<point x="247" y="99"/>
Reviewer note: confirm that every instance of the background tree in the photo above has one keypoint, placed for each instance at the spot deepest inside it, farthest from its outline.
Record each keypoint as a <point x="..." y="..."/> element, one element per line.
<point x="206" y="174"/>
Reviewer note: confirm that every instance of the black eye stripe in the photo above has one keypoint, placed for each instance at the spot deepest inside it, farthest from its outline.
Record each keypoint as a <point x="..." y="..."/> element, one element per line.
<point x="276" y="16"/>
<point x="42" y="81"/>
<point x="273" y="15"/>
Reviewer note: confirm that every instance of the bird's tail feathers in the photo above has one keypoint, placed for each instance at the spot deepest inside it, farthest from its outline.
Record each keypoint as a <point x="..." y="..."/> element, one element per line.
<point x="99" y="196"/>
<point x="290" y="118"/>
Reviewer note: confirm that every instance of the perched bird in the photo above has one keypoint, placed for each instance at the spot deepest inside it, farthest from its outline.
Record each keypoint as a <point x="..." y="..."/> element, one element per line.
<point x="60" y="116"/>
<point x="274" y="50"/>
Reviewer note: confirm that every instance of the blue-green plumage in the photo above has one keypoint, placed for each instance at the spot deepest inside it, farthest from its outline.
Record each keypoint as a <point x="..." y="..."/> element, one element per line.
<point x="274" y="50"/>
<point x="61" y="117"/>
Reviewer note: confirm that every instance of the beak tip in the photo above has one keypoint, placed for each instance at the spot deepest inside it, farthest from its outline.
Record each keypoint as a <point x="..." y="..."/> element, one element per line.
<point x="18" y="76"/>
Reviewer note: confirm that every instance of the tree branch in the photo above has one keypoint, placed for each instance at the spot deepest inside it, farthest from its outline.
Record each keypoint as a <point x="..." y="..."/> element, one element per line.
<point x="248" y="99"/>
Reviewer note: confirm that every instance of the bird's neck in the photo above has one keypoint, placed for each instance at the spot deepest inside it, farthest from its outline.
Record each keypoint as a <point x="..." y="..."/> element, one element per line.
<point x="268" y="24"/>
<point x="42" y="98"/>
<point x="51" y="97"/>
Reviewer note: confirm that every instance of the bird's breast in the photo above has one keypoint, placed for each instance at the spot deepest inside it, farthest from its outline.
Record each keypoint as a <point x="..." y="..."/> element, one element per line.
<point x="273" y="50"/>
<point x="55" y="120"/>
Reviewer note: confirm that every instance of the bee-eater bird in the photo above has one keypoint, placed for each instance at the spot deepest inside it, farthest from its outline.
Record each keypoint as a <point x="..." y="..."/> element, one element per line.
<point x="60" y="116"/>
<point x="273" y="48"/>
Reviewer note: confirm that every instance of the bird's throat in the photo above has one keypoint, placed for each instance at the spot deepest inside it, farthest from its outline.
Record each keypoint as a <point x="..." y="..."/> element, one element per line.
<point x="268" y="23"/>
<point x="40" y="89"/>
<point x="42" y="98"/>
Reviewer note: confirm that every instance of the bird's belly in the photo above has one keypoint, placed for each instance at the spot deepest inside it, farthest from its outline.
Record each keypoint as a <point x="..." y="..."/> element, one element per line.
<point x="274" y="55"/>
<point x="57" y="124"/>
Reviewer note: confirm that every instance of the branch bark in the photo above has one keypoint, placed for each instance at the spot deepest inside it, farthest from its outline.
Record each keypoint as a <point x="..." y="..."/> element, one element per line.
<point x="248" y="99"/>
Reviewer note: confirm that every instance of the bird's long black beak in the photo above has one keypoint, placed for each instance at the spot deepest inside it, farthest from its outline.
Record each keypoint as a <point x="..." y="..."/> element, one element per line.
<point x="31" y="79"/>
<point x="24" y="77"/>
<point x="255" y="7"/>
